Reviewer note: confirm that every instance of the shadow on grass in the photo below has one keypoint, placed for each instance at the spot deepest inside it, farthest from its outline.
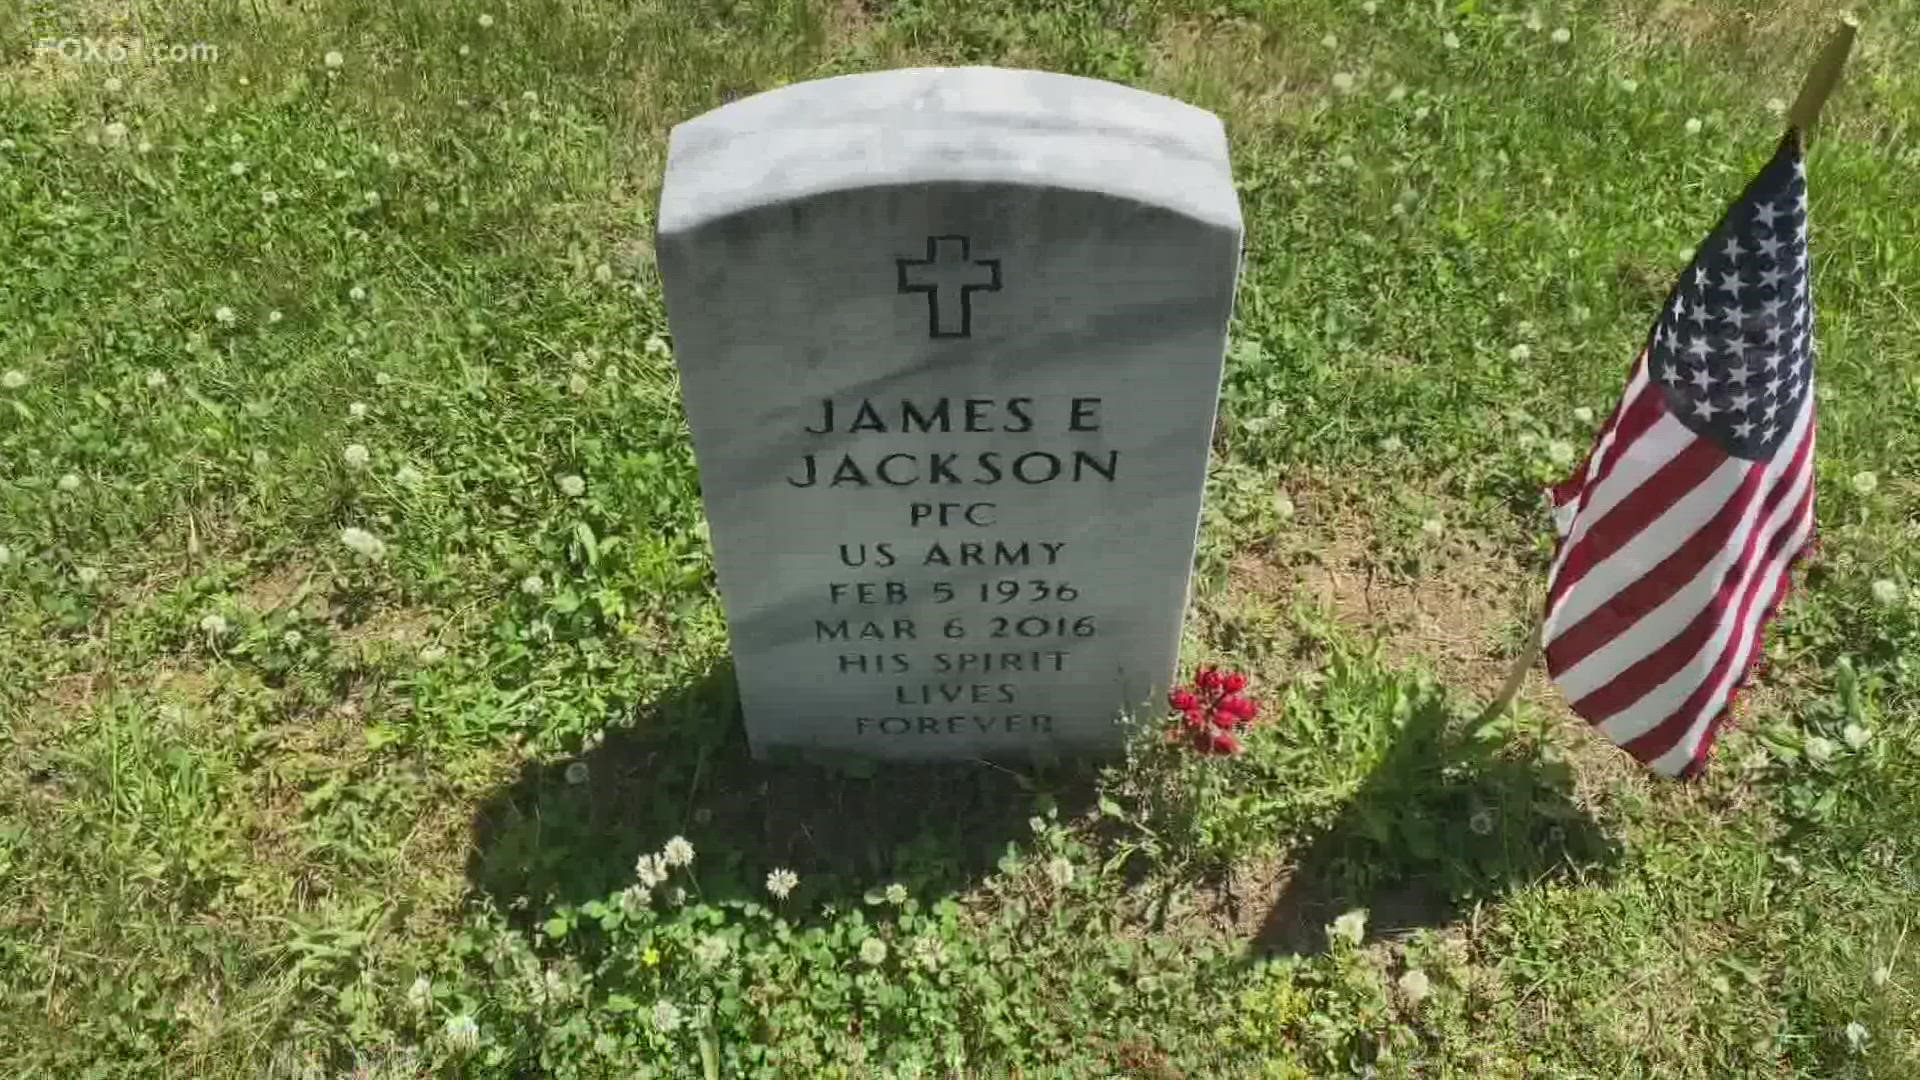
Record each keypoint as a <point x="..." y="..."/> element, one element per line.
<point x="683" y="770"/>
<point x="1445" y="821"/>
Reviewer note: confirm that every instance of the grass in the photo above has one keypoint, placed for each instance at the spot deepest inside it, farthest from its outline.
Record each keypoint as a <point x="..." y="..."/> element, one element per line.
<point x="270" y="807"/>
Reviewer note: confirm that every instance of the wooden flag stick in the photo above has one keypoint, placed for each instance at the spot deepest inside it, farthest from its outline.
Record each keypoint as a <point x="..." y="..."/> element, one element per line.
<point x="1824" y="77"/>
<point x="1516" y="675"/>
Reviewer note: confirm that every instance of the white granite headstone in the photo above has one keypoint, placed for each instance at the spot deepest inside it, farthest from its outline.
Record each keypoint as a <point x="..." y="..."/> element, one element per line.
<point x="950" y="344"/>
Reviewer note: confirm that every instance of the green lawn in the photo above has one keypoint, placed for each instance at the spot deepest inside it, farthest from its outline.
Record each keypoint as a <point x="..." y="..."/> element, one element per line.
<point x="272" y="804"/>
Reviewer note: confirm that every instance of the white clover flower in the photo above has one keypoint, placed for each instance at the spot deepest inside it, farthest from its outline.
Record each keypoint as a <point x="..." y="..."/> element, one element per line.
<point x="603" y="273"/>
<point x="573" y="486"/>
<point x="420" y="994"/>
<point x="1819" y="749"/>
<point x="333" y="59"/>
<point x="224" y="316"/>
<point x="433" y="654"/>
<point x="1522" y="351"/>
<point x="1451" y="40"/>
<point x="14" y="379"/>
<point x="1433" y="526"/>
<point x="1533" y="22"/>
<point x="274" y="316"/>
<point x="372" y="198"/>
<point x="213" y="626"/>
<point x="781" y="883"/>
<point x="364" y="544"/>
<point x="259" y="458"/>
<point x="1330" y="42"/>
<point x="1865" y="483"/>
<point x="87" y="575"/>
<point x="929" y="952"/>
<point x="115" y="132"/>
<point x="1345" y="161"/>
<point x="1562" y="36"/>
<point x="1350" y="927"/>
<point x="1583" y="414"/>
<point x="577" y="383"/>
<point x="407" y="476"/>
<point x="357" y="294"/>
<point x="1629" y="85"/>
<point x="873" y="952"/>
<point x="269" y="198"/>
<point x="1060" y="871"/>
<point x="529" y="96"/>
<point x="896" y="894"/>
<point x="6" y="144"/>
<point x="70" y="483"/>
<point x="1886" y="592"/>
<point x="1398" y="93"/>
<point x="666" y="1015"/>
<point x="111" y="85"/>
<point x="1370" y="7"/>
<point x="1882" y="975"/>
<point x="381" y="378"/>
<point x="1392" y="444"/>
<point x="1415" y="986"/>
<point x="1855" y="736"/>
<point x="1481" y="822"/>
<point x="711" y="950"/>
<point x="651" y="870"/>
<point x="292" y="639"/>
<point x="486" y="21"/>
<point x="1856" y="1033"/>
<point x="532" y="585"/>
<point x="678" y="852"/>
<point x="393" y="159"/>
<point x="462" y="1033"/>
<point x="6" y="554"/>
<point x="1693" y="125"/>
<point x="355" y="455"/>
<point x="464" y="51"/>
<point x="357" y="410"/>
<point x="635" y="898"/>
<point x="1560" y="452"/>
<point x="1283" y="508"/>
<point x="238" y="168"/>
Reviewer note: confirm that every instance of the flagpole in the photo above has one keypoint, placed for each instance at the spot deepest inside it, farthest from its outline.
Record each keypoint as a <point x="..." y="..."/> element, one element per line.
<point x="1824" y="77"/>
<point x="1516" y="675"/>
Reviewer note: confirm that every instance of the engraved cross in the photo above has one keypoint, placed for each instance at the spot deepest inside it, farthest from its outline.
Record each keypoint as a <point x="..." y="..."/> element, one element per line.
<point x="949" y="275"/>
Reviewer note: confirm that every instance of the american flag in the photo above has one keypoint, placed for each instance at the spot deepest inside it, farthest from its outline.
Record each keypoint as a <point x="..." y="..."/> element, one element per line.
<point x="1677" y="533"/>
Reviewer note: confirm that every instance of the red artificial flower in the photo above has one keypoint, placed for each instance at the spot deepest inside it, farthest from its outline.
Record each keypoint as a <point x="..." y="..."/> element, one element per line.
<point x="1233" y="683"/>
<point x="1207" y="678"/>
<point x="1224" y="743"/>
<point x="1182" y="700"/>
<point x="1239" y="708"/>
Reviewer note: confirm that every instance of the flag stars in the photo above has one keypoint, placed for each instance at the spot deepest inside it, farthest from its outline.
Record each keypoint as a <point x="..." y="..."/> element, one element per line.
<point x="1704" y="408"/>
<point x="1700" y="349"/>
<point x="1737" y="374"/>
<point x="1743" y="430"/>
<point x="1698" y="316"/>
<point x="1733" y="250"/>
<point x="1703" y="380"/>
<point x="1767" y="215"/>
<point x="1730" y="283"/>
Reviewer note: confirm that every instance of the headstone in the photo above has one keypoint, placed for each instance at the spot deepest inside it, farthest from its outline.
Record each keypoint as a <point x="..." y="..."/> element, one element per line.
<point x="950" y="344"/>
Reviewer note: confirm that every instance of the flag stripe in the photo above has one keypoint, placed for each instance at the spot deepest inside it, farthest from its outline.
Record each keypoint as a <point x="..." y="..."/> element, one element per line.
<point x="1596" y="617"/>
<point x="1630" y="674"/>
<point x="1665" y="554"/>
<point x="1643" y="696"/>
<point x="1644" y="421"/>
<point x="1655" y="492"/>
<point x="1703" y="735"/>
<point x="1669" y="735"/>
<point x="1565" y="494"/>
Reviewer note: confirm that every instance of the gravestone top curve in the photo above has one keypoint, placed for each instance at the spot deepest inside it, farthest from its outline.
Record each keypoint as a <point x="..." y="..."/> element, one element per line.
<point x="945" y="125"/>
